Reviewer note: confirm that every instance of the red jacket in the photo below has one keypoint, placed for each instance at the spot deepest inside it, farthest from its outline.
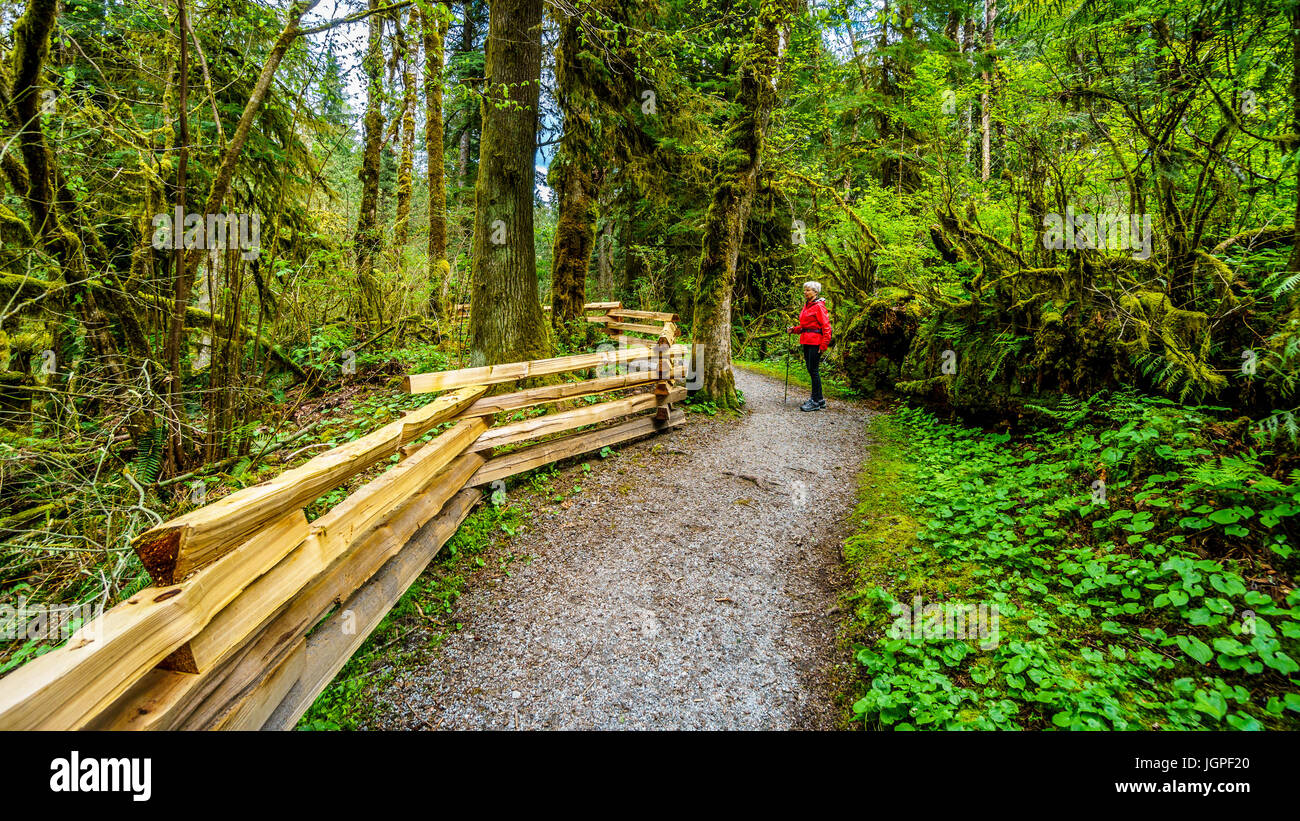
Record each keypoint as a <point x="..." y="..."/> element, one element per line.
<point x="814" y="326"/>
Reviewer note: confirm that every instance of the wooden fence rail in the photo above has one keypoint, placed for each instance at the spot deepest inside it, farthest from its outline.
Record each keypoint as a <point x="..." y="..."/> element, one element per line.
<point x="254" y="609"/>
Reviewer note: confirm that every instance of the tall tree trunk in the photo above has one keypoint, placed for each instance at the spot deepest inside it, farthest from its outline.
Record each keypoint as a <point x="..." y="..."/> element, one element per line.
<point x="435" y="29"/>
<point x="572" y="179"/>
<point x="506" y="322"/>
<point x="733" y="195"/>
<point x="406" y="164"/>
<point x="604" y="256"/>
<point x="49" y="203"/>
<point x="467" y="34"/>
<point x="968" y="48"/>
<point x="181" y="286"/>
<point x="986" y="96"/>
<point x="368" y="236"/>
<point x="632" y="262"/>
<point x="1294" y="16"/>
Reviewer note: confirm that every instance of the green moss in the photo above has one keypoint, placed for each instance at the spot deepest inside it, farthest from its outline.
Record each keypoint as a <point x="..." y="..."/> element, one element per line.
<point x="883" y="553"/>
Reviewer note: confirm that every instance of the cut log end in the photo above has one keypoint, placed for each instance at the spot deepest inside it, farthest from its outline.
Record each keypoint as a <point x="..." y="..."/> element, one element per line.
<point x="158" y="551"/>
<point x="181" y="660"/>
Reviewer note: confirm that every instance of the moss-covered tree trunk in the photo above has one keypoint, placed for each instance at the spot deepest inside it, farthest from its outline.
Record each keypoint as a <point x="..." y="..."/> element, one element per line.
<point x="633" y="262"/>
<point x="369" y="240"/>
<point x="986" y="95"/>
<point x="434" y="30"/>
<point x="1294" y="88"/>
<point x="575" y="233"/>
<point x="468" y="32"/>
<point x="506" y="322"/>
<point x="181" y="287"/>
<point x="572" y="179"/>
<point x="733" y="195"/>
<point x="406" y="164"/>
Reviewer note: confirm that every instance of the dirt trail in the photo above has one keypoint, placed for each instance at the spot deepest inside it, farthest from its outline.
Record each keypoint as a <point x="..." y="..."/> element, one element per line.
<point x="668" y="595"/>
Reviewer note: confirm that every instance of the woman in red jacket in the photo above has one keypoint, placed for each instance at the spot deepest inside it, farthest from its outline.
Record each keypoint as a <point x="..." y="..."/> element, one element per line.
<point x="814" y="331"/>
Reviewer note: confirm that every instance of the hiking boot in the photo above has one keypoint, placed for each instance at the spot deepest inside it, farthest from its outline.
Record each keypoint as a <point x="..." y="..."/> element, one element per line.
<point x="810" y="405"/>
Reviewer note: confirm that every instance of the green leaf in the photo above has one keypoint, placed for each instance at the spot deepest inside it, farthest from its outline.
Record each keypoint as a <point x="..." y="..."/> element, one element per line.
<point x="1242" y="721"/>
<point x="1195" y="648"/>
<point x="1211" y="702"/>
<point x="1226" y="516"/>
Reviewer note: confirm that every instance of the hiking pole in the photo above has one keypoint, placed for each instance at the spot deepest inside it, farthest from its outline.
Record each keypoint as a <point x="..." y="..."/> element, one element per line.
<point x="787" y="376"/>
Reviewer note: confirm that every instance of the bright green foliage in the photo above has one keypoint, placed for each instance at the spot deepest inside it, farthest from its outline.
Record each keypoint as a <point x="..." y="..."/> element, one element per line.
<point x="1157" y="600"/>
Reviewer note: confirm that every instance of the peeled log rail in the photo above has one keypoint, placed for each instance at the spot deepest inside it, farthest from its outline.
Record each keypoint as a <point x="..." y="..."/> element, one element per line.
<point x="659" y="315"/>
<point x="514" y="371"/>
<point x="278" y="640"/>
<point x="568" y="420"/>
<point x="169" y="700"/>
<point x="330" y="646"/>
<point x="463" y="307"/>
<point x="640" y="329"/>
<point x="552" y="393"/>
<point x="64" y="687"/>
<point x="499" y="467"/>
<point x="332" y="534"/>
<point x="173" y="549"/>
<point x="253" y="631"/>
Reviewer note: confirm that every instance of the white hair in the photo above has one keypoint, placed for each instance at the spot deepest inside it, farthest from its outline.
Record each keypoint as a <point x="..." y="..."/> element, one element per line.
<point x="816" y="286"/>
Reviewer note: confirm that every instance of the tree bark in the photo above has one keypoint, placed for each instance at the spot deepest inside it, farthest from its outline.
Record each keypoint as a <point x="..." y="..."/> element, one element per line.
<point x="434" y="30"/>
<point x="506" y="323"/>
<point x="467" y="34"/>
<point x="406" y="164"/>
<point x="369" y="240"/>
<point x="572" y="179"/>
<point x="733" y="196"/>
<point x="986" y="96"/>
<point x="968" y="48"/>
<point x="175" y="460"/>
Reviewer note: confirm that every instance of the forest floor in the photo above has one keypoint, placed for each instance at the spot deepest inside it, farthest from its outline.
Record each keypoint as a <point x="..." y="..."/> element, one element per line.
<point x="691" y="583"/>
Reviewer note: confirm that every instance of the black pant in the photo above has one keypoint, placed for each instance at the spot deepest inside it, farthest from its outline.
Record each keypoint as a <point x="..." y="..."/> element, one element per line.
<point x="812" y="357"/>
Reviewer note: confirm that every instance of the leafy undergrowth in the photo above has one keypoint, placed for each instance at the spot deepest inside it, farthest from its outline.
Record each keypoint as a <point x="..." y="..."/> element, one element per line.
<point x="429" y="603"/>
<point x="775" y="368"/>
<point x="1141" y="573"/>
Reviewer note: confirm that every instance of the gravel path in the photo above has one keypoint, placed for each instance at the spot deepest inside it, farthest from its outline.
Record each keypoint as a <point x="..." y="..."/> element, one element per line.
<point x="667" y="594"/>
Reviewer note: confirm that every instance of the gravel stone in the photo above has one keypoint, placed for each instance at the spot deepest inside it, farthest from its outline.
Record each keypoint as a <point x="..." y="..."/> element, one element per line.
<point x="667" y="594"/>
